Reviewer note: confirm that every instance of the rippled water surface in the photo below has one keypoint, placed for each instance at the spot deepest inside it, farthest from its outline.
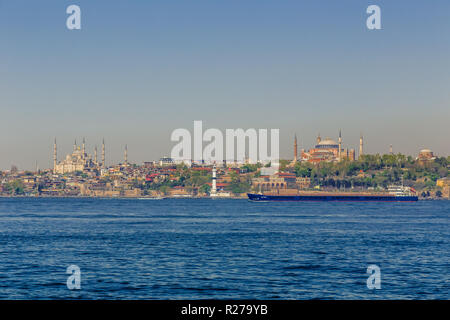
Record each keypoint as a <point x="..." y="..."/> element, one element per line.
<point x="222" y="249"/>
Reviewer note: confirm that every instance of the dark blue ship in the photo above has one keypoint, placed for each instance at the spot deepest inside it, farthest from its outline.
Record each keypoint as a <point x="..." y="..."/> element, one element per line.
<point x="395" y="194"/>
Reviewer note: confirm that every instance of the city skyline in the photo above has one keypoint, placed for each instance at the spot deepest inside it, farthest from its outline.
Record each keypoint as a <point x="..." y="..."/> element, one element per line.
<point x="137" y="71"/>
<point x="98" y="153"/>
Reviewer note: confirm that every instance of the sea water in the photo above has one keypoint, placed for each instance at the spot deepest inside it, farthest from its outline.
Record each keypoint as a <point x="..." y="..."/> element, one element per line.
<point x="222" y="249"/>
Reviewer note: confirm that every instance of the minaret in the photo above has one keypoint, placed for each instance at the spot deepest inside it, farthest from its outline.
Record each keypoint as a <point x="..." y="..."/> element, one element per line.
<point x="214" y="182"/>
<point x="360" y="145"/>
<point x="318" y="138"/>
<point x="54" y="157"/>
<point x="75" y="145"/>
<point x="295" y="149"/>
<point x="126" y="155"/>
<point x="95" y="155"/>
<point x="103" y="154"/>
<point x="390" y="149"/>
<point x="84" y="146"/>
<point x="340" y="146"/>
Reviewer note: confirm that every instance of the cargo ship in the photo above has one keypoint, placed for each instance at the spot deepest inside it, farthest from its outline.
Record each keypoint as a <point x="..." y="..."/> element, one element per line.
<point x="395" y="193"/>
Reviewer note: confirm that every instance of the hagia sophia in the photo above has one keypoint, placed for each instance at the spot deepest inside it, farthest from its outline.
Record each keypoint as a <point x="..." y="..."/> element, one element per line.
<point x="327" y="150"/>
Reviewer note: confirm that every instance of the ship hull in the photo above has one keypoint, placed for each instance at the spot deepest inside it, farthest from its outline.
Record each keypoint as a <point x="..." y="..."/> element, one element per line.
<point x="352" y="198"/>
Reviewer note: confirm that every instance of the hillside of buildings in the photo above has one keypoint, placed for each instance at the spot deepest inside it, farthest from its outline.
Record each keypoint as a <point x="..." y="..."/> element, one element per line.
<point x="428" y="175"/>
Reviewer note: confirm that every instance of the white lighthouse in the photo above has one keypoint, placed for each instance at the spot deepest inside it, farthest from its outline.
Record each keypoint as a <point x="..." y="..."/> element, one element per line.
<point x="214" y="194"/>
<point x="214" y="182"/>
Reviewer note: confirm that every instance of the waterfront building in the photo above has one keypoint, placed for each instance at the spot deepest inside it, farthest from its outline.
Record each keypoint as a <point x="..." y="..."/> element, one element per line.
<point x="303" y="182"/>
<point x="279" y="180"/>
<point x="444" y="184"/>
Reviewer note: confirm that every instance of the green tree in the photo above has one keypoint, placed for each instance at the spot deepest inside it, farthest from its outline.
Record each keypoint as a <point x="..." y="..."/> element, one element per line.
<point x="164" y="189"/>
<point x="237" y="185"/>
<point x="206" y="188"/>
<point x="251" y="167"/>
<point x="15" y="187"/>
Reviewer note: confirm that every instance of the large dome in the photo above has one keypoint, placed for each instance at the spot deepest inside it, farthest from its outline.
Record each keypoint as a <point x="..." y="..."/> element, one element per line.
<point x="327" y="144"/>
<point x="327" y="141"/>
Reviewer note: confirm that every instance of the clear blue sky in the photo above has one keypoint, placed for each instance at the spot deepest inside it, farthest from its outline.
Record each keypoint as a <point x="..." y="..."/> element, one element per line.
<point x="140" y="69"/>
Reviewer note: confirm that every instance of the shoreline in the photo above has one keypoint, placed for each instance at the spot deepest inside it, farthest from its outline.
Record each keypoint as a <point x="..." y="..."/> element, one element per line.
<point x="156" y="198"/>
<point x="136" y="198"/>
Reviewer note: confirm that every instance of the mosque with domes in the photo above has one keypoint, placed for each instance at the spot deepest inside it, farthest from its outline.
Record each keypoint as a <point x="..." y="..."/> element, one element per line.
<point x="328" y="150"/>
<point x="78" y="160"/>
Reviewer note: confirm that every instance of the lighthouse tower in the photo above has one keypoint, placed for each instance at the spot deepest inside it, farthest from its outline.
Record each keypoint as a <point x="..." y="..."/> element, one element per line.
<point x="214" y="181"/>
